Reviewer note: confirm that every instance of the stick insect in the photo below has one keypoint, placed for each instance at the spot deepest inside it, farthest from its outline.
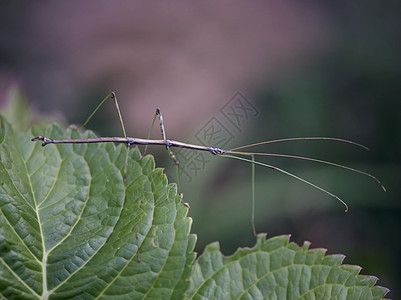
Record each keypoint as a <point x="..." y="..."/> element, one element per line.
<point x="231" y="153"/>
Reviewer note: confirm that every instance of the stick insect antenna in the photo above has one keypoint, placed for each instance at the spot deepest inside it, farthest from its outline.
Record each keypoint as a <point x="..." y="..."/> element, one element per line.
<point x="301" y="138"/>
<point x="309" y="159"/>
<point x="289" y="174"/>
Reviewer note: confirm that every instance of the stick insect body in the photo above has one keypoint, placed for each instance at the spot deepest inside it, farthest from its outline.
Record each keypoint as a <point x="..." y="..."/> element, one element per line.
<point x="232" y="153"/>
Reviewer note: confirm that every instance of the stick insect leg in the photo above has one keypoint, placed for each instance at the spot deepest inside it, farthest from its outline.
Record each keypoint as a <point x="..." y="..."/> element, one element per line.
<point x="170" y="152"/>
<point x="113" y="96"/>
<point x="253" y="195"/>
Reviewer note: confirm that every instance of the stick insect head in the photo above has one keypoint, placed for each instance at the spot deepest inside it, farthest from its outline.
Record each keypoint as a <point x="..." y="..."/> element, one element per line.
<point x="217" y="151"/>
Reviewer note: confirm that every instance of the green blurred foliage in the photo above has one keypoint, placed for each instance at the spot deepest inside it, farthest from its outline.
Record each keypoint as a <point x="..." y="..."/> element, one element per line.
<point x="17" y="111"/>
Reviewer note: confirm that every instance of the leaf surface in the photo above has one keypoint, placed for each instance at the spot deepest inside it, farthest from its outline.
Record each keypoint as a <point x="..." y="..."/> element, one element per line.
<point x="278" y="269"/>
<point x="70" y="227"/>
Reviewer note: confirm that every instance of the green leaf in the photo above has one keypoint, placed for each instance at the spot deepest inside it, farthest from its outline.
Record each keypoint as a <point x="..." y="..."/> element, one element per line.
<point x="278" y="269"/>
<point x="70" y="227"/>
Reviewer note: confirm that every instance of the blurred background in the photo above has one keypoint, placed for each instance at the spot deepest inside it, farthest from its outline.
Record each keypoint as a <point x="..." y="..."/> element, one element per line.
<point x="229" y="73"/>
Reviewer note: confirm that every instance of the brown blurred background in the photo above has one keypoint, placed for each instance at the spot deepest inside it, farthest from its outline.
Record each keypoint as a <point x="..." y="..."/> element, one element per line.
<point x="314" y="68"/>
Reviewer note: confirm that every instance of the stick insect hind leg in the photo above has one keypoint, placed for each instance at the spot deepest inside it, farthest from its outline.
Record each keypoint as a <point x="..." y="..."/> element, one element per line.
<point x="113" y="96"/>
<point x="158" y="114"/>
